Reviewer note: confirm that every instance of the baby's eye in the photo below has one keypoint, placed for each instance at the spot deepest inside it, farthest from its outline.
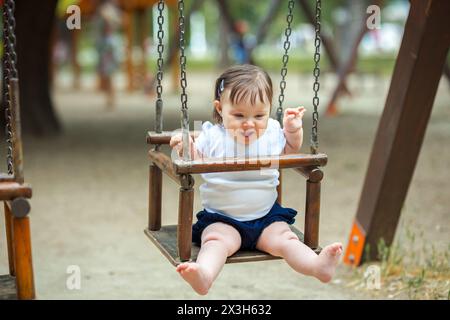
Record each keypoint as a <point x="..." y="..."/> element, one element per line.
<point x="259" y="116"/>
<point x="238" y="115"/>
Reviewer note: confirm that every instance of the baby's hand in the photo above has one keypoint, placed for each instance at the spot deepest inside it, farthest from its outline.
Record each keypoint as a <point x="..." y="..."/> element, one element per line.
<point x="176" y="142"/>
<point x="292" y="120"/>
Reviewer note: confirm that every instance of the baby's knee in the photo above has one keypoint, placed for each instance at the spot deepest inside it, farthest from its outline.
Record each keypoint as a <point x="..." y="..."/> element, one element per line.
<point x="288" y="235"/>
<point x="230" y="245"/>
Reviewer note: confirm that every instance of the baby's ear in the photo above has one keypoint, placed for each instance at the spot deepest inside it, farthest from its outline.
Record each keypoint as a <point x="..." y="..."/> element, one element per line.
<point x="217" y="106"/>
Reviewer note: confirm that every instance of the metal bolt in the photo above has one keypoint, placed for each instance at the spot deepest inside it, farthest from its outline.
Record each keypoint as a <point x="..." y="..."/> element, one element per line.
<point x="351" y="257"/>
<point x="355" y="239"/>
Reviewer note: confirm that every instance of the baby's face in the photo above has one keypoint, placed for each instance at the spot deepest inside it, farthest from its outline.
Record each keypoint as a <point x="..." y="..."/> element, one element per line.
<point x="244" y="121"/>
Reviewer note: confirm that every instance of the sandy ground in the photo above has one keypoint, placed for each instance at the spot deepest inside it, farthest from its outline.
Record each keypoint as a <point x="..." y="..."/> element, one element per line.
<point x="90" y="189"/>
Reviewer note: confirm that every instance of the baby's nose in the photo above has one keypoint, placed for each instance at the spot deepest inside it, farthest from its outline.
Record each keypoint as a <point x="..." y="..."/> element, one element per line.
<point x="249" y="124"/>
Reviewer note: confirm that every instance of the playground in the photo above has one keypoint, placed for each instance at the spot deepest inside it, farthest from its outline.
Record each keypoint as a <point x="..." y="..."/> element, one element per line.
<point x="95" y="181"/>
<point x="90" y="201"/>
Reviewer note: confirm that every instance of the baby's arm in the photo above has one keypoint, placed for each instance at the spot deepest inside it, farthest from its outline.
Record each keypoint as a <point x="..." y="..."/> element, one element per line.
<point x="293" y="129"/>
<point x="176" y="142"/>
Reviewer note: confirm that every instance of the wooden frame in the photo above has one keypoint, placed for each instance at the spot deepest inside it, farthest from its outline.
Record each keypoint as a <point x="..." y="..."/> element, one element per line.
<point x="401" y="130"/>
<point x="181" y="172"/>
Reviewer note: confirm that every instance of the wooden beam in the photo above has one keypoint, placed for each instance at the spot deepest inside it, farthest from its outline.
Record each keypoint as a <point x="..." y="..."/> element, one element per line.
<point x="164" y="162"/>
<point x="417" y="72"/>
<point x="165" y="136"/>
<point x="208" y="165"/>
<point x="11" y="190"/>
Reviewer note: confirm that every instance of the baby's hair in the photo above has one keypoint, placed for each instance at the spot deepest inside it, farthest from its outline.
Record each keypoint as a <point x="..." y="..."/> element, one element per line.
<point x="246" y="83"/>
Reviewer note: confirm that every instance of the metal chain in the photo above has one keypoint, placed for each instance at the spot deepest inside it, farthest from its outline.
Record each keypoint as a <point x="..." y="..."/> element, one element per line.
<point x="160" y="63"/>
<point x="10" y="71"/>
<point x="286" y="46"/>
<point x="316" y="86"/>
<point x="183" y="82"/>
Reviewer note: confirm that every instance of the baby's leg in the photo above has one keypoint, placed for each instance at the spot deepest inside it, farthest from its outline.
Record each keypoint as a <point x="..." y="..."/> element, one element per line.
<point x="219" y="241"/>
<point x="278" y="240"/>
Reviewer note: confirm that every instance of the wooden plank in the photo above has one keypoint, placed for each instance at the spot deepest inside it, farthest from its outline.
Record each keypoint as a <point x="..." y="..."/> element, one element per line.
<point x="11" y="190"/>
<point x="165" y="164"/>
<point x="165" y="241"/>
<point x="207" y="165"/>
<point x="7" y="287"/>
<point x="416" y="76"/>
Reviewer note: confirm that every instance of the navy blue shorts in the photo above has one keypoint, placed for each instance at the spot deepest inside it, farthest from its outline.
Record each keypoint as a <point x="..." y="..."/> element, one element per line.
<point x="249" y="230"/>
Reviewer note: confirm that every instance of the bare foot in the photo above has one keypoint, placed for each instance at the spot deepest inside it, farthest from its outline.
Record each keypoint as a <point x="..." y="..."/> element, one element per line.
<point x="195" y="276"/>
<point x="328" y="260"/>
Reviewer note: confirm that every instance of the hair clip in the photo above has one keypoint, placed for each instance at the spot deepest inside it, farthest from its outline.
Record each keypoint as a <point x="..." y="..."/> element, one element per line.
<point x="221" y="87"/>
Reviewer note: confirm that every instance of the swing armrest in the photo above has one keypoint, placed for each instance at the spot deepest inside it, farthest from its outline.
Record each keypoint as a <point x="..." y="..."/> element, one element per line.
<point x="208" y="165"/>
<point x="165" y="136"/>
<point x="12" y="190"/>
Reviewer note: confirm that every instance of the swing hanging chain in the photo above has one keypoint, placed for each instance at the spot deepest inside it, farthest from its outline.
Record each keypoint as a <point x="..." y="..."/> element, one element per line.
<point x="160" y="63"/>
<point x="286" y="46"/>
<point x="10" y="72"/>
<point x="316" y="86"/>
<point x="183" y="82"/>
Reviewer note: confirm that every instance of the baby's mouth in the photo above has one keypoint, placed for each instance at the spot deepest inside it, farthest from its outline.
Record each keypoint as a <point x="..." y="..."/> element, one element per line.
<point x="247" y="134"/>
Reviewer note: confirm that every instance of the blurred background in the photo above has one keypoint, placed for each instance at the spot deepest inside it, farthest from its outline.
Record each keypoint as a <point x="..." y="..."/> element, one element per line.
<point x="88" y="99"/>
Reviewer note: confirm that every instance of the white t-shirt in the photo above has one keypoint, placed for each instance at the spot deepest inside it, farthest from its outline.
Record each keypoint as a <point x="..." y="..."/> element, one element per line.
<point x="242" y="195"/>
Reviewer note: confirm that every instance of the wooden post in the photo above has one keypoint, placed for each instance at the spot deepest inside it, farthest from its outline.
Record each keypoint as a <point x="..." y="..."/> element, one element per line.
<point x="154" y="196"/>
<point x="9" y="239"/>
<point x="22" y="258"/>
<point x="416" y="76"/>
<point x="312" y="211"/>
<point x="184" y="229"/>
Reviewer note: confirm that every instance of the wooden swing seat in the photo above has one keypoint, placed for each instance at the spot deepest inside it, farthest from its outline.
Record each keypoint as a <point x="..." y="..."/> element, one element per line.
<point x="165" y="240"/>
<point x="175" y="241"/>
<point x="8" y="289"/>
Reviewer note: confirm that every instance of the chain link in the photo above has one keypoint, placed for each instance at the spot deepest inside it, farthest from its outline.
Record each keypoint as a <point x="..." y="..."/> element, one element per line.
<point x="160" y="63"/>
<point x="10" y="71"/>
<point x="183" y="82"/>
<point x="316" y="86"/>
<point x="286" y="46"/>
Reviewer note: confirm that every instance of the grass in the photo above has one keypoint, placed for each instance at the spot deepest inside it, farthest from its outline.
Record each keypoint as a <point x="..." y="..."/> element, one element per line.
<point x="408" y="269"/>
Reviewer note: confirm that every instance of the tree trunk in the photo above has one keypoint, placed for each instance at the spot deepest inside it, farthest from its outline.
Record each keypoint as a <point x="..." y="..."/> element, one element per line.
<point x="34" y="26"/>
